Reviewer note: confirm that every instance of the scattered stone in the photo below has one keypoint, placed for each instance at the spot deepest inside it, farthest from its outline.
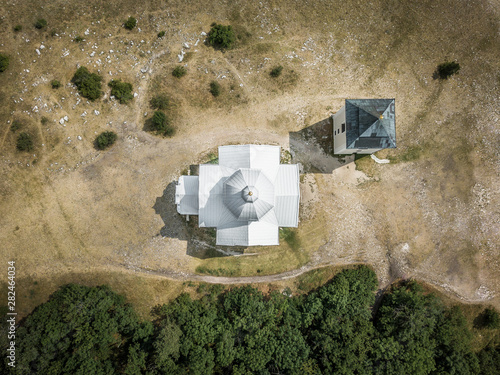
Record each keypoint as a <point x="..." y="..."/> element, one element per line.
<point x="96" y="112"/>
<point x="203" y="33"/>
<point x="197" y="40"/>
<point x="61" y="121"/>
<point x="66" y="118"/>
<point x="186" y="45"/>
<point x="136" y="95"/>
<point x="42" y="46"/>
<point x="79" y="138"/>
<point x="37" y="52"/>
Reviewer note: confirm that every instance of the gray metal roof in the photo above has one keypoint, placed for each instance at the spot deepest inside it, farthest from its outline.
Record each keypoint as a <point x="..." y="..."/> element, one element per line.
<point x="370" y="123"/>
<point x="248" y="195"/>
<point x="186" y="195"/>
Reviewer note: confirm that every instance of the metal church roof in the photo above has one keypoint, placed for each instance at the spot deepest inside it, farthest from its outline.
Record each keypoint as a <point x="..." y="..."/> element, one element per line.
<point x="249" y="195"/>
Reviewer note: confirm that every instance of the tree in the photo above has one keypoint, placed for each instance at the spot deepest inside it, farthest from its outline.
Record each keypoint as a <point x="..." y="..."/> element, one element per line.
<point x="24" y="142"/>
<point x="121" y="90"/>
<point x="215" y="88"/>
<point x="55" y="84"/>
<point x="221" y="36"/>
<point x="4" y="62"/>
<point x="105" y="140"/>
<point x="276" y="71"/>
<point x="179" y="71"/>
<point x="161" y="123"/>
<point x="41" y="23"/>
<point x="80" y="330"/>
<point x="447" y="69"/>
<point x="88" y="84"/>
<point x="130" y="23"/>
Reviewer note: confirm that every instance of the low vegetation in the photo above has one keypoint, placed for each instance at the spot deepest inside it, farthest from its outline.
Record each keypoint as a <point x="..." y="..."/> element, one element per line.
<point x="78" y="39"/>
<point x="276" y="71"/>
<point x="121" y="90"/>
<point x="447" y="69"/>
<point x="18" y="28"/>
<point x="130" y="23"/>
<point x="16" y="125"/>
<point x="88" y="84"/>
<point x="161" y="34"/>
<point x="160" y="102"/>
<point x="221" y="36"/>
<point x="24" y="142"/>
<point x="179" y="71"/>
<point x="215" y="88"/>
<point x="334" y="329"/>
<point x="55" y="84"/>
<point x="161" y="124"/>
<point x="4" y="62"/>
<point x="41" y="23"/>
<point x="105" y="140"/>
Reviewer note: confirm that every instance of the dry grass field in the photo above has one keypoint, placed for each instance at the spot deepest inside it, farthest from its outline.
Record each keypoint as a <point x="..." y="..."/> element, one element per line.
<point x="69" y="212"/>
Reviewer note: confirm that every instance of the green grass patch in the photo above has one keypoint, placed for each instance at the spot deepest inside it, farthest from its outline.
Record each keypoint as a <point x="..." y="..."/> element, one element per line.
<point x="289" y="235"/>
<point x="214" y="272"/>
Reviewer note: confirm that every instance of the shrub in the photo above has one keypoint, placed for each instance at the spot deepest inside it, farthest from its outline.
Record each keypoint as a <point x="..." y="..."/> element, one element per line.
<point x="44" y="120"/>
<point x="88" y="84"/>
<point x="491" y="318"/>
<point x="16" y="125"/>
<point x="161" y="123"/>
<point x="18" y="28"/>
<point x="179" y="71"/>
<point x="221" y="36"/>
<point x="105" y="140"/>
<point x="447" y="69"/>
<point x="161" y="34"/>
<point x="78" y="39"/>
<point x="40" y="23"/>
<point x="121" y="90"/>
<point x="130" y="23"/>
<point x="215" y="88"/>
<point x="55" y="84"/>
<point x="24" y="142"/>
<point x="4" y="62"/>
<point x="276" y="71"/>
<point x="160" y="101"/>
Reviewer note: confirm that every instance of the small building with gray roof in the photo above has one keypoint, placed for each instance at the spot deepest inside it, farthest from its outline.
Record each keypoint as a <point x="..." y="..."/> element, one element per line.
<point x="364" y="126"/>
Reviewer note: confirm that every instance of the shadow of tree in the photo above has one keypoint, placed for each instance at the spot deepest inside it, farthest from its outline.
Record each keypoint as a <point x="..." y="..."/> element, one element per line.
<point x="313" y="148"/>
<point x="200" y="241"/>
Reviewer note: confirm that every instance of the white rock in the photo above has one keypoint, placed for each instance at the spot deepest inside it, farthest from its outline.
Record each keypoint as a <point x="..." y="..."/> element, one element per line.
<point x="197" y="40"/>
<point x="203" y="33"/>
<point x="61" y="121"/>
<point x="79" y="138"/>
<point x="87" y="32"/>
<point x="186" y="45"/>
<point x="96" y="112"/>
<point x="42" y="46"/>
<point x="66" y="118"/>
<point x="37" y="52"/>
<point x="136" y="95"/>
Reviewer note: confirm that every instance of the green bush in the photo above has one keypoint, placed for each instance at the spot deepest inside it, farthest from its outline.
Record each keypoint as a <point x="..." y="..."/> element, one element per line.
<point x="105" y="140"/>
<point x="44" y="120"/>
<point x="130" y="23"/>
<point x="24" y="142"/>
<point x="161" y="102"/>
<point x="161" y="34"/>
<point x="16" y="125"/>
<point x="161" y="124"/>
<point x="41" y="23"/>
<point x="447" y="69"/>
<point x="55" y="84"/>
<point x="179" y="71"/>
<point x="121" y="90"/>
<point x="78" y="39"/>
<point x="215" y="88"/>
<point x="491" y="318"/>
<point x="221" y="36"/>
<point x="276" y="71"/>
<point x="18" y="28"/>
<point x="88" y="84"/>
<point x="4" y="62"/>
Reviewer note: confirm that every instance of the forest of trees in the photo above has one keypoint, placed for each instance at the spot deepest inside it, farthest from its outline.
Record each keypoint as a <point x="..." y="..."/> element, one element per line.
<point x="336" y="329"/>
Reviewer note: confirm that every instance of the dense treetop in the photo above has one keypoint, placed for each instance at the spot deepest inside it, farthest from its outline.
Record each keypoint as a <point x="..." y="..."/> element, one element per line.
<point x="332" y="330"/>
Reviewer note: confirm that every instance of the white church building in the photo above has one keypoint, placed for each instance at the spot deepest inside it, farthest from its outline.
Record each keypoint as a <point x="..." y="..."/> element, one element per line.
<point x="364" y="126"/>
<point x="246" y="197"/>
